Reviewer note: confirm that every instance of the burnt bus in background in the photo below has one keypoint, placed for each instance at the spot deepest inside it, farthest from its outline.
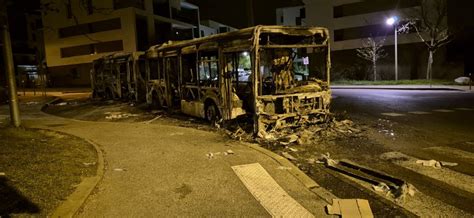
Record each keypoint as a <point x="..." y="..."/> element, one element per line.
<point x="278" y="75"/>
<point x="119" y="76"/>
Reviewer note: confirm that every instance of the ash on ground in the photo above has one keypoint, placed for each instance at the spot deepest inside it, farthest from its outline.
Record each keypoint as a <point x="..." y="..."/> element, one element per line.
<point x="331" y="129"/>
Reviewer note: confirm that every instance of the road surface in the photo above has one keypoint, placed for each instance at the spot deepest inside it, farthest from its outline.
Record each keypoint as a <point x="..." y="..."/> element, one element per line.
<point x="418" y="125"/>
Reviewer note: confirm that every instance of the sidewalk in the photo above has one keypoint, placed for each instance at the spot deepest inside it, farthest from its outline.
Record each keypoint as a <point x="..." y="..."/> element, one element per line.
<point x="406" y="87"/>
<point x="157" y="170"/>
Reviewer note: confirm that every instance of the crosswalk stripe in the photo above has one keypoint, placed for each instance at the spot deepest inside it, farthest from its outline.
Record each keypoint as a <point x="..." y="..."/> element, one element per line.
<point x="419" y="112"/>
<point x="443" y="110"/>
<point x="452" y="152"/>
<point x="393" y="114"/>
<point x="463" y="109"/>
<point x="267" y="191"/>
<point x="453" y="178"/>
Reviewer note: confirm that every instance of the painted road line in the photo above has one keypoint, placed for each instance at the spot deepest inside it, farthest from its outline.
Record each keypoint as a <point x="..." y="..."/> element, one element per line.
<point x="464" y="109"/>
<point x="452" y="152"/>
<point x="393" y="114"/>
<point x="453" y="178"/>
<point x="443" y="110"/>
<point x="267" y="191"/>
<point x="419" y="112"/>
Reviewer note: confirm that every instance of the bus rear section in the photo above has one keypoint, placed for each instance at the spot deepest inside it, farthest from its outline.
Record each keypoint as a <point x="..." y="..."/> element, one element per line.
<point x="119" y="76"/>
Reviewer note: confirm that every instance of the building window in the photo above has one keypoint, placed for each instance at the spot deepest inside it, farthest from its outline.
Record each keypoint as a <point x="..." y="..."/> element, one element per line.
<point x="86" y="28"/>
<point x="365" y="7"/>
<point x="77" y="50"/>
<point x="74" y="73"/>
<point x="89" y="49"/>
<point x="303" y="12"/>
<point x="118" y="4"/>
<point x="68" y="9"/>
<point x="90" y="7"/>
<point x="298" y="21"/>
<point x="110" y="46"/>
<point x="223" y="29"/>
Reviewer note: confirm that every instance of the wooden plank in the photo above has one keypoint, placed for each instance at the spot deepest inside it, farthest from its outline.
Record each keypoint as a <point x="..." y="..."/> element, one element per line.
<point x="349" y="208"/>
<point x="364" y="208"/>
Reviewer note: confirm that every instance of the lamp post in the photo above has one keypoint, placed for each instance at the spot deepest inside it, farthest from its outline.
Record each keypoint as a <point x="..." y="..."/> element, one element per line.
<point x="393" y="21"/>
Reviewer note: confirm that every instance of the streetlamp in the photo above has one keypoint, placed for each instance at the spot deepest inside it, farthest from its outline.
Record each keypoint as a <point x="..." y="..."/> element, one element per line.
<point x="393" y="21"/>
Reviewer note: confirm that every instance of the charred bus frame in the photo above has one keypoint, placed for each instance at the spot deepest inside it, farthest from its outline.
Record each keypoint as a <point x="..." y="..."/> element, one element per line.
<point x="119" y="75"/>
<point x="205" y="77"/>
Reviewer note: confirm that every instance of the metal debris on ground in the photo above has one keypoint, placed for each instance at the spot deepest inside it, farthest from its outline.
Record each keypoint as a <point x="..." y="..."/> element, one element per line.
<point x="381" y="187"/>
<point x="119" y="115"/>
<point x="293" y="149"/>
<point x="154" y="119"/>
<point x="311" y="161"/>
<point x="310" y="133"/>
<point x="62" y="104"/>
<point x="350" y="208"/>
<point x="212" y="155"/>
<point x="288" y="156"/>
<point x="89" y="164"/>
<point x="435" y="164"/>
<point x="397" y="188"/>
<point x="119" y="170"/>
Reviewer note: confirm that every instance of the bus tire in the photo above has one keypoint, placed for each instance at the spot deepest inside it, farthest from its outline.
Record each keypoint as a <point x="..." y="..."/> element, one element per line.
<point x="212" y="112"/>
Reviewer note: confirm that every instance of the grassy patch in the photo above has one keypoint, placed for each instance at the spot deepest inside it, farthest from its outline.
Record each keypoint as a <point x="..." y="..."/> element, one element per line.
<point x="41" y="169"/>
<point x="393" y="82"/>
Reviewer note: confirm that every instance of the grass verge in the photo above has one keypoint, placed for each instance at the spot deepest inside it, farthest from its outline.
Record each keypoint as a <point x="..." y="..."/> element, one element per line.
<point x="41" y="168"/>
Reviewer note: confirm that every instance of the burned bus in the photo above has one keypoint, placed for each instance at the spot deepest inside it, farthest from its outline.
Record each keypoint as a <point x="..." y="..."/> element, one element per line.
<point x="119" y="76"/>
<point x="279" y="75"/>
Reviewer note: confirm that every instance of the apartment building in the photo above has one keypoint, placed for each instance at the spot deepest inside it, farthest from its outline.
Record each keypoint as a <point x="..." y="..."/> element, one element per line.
<point x="210" y="27"/>
<point x="291" y="16"/>
<point x="76" y="32"/>
<point x="352" y="21"/>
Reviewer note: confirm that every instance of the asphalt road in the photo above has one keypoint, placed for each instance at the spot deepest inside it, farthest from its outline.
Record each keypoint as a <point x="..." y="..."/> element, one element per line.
<point x="420" y="125"/>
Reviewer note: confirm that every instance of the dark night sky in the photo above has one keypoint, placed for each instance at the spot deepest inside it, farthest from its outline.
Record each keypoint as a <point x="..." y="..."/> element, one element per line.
<point x="235" y="13"/>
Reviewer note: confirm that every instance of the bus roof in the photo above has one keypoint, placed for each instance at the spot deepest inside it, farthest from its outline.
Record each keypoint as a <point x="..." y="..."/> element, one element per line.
<point x="243" y="33"/>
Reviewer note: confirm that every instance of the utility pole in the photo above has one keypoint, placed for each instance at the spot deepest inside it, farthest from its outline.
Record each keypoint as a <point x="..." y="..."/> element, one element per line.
<point x="10" y="69"/>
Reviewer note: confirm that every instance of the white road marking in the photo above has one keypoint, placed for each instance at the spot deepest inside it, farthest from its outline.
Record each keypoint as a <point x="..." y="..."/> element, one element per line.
<point x="267" y="191"/>
<point x="453" y="178"/>
<point x="419" y="112"/>
<point x="443" y="110"/>
<point x="452" y="152"/>
<point x="464" y="109"/>
<point x="393" y="114"/>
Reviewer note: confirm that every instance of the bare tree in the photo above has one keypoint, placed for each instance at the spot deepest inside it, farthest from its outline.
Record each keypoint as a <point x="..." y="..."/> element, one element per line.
<point x="431" y="26"/>
<point x="372" y="50"/>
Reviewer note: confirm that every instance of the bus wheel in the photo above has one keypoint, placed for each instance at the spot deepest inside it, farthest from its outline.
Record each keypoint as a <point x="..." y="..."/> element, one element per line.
<point x="212" y="113"/>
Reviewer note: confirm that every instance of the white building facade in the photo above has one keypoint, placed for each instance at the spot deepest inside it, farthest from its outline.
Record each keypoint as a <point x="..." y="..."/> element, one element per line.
<point x="352" y="21"/>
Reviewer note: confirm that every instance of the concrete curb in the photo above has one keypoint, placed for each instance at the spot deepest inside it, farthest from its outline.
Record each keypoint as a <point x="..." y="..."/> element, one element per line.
<point x="297" y="173"/>
<point x="77" y="199"/>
